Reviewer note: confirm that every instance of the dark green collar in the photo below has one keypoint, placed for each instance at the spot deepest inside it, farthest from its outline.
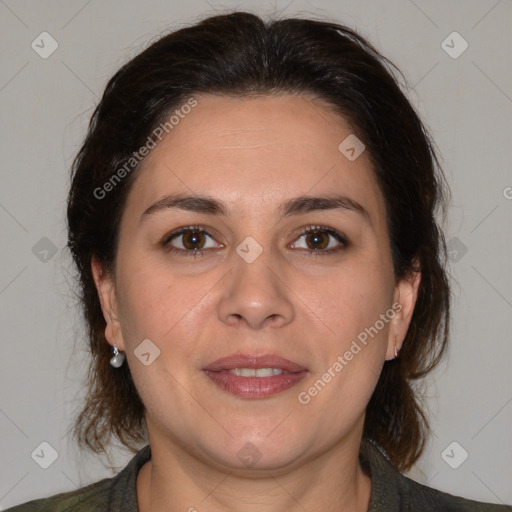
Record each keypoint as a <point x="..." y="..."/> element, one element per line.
<point x="391" y="491"/>
<point x="388" y="490"/>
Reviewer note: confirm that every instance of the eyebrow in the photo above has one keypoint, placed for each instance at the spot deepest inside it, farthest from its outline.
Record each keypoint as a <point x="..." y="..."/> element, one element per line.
<point x="295" y="206"/>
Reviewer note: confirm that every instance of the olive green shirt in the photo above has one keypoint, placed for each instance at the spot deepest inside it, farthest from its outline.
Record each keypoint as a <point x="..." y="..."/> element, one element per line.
<point x="391" y="491"/>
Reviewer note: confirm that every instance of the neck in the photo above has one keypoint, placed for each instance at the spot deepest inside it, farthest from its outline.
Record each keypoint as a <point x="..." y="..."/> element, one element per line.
<point x="174" y="480"/>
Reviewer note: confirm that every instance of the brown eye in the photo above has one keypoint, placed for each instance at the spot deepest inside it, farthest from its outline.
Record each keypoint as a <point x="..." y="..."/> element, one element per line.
<point x="321" y="240"/>
<point x="193" y="240"/>
<point x="317" y="240"/>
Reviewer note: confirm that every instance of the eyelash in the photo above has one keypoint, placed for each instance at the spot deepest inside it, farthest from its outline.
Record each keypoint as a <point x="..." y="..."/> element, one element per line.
<point x="200" y="252"/>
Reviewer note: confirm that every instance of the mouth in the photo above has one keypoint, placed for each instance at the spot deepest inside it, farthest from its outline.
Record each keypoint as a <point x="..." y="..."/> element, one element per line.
<point x="255" y="376"/>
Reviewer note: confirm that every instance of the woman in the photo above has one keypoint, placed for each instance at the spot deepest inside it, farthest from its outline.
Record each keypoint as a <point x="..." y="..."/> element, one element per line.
<point x="252" y="215"/>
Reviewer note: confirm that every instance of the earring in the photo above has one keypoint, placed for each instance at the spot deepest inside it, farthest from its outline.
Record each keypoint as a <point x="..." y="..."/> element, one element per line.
<point x="396" y="351"/>
<point x="118" y="358"/>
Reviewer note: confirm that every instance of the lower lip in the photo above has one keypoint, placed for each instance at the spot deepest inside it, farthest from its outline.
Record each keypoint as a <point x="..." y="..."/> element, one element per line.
<point x="255" y="387"/>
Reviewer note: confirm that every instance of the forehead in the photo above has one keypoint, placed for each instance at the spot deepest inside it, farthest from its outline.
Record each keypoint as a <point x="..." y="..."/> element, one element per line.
<point x="254" y="153"/>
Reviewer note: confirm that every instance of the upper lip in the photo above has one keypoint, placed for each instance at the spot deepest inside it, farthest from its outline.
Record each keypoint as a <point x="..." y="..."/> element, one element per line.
<point x="254" y="361"/>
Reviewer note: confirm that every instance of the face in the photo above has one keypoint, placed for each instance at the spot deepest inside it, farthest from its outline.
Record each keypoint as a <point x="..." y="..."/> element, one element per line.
<point x="249" y="279"/>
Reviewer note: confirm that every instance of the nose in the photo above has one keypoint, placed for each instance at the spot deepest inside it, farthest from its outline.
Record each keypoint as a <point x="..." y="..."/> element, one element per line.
<point x="256" y="295"/>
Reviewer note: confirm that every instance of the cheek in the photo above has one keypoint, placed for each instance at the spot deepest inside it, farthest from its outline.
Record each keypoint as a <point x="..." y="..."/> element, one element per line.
<point x="144" y="308"/>
<point x="350" y="356"/>
<point x="352" y="298"/>
<point x="167" y="308"/>
<point x="351" y="304"/>
<point x="152" y="296"/>
<point x="156" y="308"/>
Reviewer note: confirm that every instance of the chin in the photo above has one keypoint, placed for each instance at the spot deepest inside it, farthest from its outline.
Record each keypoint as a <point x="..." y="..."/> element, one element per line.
<point x="257" y="452"/>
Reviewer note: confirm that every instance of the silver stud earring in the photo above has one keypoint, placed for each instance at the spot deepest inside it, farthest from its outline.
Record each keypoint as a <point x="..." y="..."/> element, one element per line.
<point x="118" y="358"/>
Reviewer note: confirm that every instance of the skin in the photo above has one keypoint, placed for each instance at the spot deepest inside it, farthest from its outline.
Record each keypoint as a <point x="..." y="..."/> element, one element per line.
<point x="254" y="154"/>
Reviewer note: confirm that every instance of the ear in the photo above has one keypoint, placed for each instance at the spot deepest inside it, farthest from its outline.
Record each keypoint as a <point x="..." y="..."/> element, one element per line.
<point x="406" y="294"/>
<point x="106" y="289"/>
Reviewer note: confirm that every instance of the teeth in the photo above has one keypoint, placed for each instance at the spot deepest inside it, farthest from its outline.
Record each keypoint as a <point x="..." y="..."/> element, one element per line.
<point x="260" y="372"/>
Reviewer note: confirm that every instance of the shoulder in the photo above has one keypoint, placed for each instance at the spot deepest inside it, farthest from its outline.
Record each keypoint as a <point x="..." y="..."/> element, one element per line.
<point x="422" y="497"/>
<point x="393" y="491"/>
<point x="92" y="497"/>
<point x="116" y="494"/>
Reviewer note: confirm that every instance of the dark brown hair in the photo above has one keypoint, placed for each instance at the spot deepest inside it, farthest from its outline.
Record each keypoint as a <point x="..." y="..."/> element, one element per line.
<point x="240" y="55"/>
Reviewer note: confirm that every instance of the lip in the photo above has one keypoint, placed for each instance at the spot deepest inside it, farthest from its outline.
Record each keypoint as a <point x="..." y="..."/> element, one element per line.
<point x="254" y="387"/>
<point x="254" y="361"/>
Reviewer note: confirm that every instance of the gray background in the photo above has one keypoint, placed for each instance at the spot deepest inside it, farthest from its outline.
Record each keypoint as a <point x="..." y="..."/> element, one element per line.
<point x="45" y="106"/>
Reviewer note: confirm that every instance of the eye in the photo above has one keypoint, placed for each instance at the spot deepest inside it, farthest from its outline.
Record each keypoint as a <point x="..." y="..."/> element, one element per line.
<point x="318" y="240"/>
<point x="193" y="241"/>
